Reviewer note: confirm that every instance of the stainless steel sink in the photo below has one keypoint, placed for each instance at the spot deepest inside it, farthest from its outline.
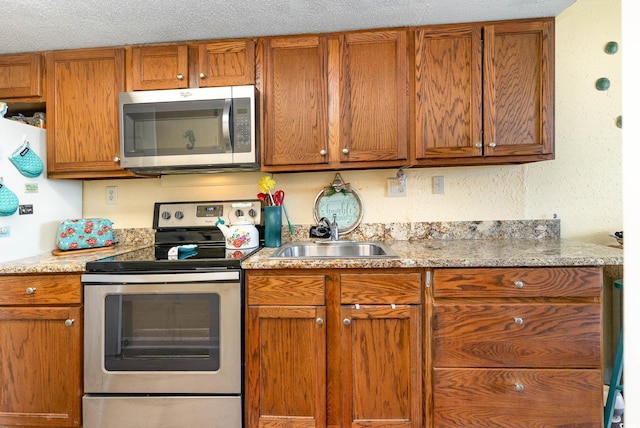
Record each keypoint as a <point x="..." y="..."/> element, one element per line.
<point x="334" y="250"/>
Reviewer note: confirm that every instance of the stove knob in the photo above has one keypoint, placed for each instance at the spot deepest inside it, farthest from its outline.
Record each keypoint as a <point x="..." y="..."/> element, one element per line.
<point x="239" y="213"/>
<point x="252" y="212"/>
<point x="179" y="215"/>
<point x="166" y="215"/>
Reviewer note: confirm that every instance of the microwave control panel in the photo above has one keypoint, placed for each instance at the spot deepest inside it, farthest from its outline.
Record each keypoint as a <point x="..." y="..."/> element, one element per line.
<point x="242" y="125"/>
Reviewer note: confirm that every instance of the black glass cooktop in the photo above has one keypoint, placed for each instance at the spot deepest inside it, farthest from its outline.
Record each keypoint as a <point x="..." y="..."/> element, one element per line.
<point x="163" y="259"/>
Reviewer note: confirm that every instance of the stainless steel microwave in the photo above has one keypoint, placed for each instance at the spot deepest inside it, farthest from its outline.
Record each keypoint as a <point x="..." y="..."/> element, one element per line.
<point x="189" y="130"/>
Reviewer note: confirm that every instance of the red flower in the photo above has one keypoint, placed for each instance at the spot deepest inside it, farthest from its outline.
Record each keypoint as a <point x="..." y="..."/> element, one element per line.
<point x="92" y="241"/>
<point x="73" y="245"/>
<point x="63" y="235"/>
<point x="70" y="231"/>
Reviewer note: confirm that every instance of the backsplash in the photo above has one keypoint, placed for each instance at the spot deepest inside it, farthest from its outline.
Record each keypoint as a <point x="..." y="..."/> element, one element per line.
<point x="494" y="229"/>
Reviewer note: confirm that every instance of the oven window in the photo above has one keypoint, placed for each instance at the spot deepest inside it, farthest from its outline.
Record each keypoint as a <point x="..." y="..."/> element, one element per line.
<point x="162" y="332"/>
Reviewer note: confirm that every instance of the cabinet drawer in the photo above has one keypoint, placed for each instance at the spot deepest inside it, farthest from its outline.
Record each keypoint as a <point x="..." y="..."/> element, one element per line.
<point x="517" y="335"/>
<point x="40" y="289"/>
<point x="517" y="398"/>
<point x="285" y="289"/>
<point x="518" y="282"/>
<point x="380" y="288"/>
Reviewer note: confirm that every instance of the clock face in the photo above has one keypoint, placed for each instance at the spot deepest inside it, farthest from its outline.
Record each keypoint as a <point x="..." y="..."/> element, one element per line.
<point x="347" y="207"/>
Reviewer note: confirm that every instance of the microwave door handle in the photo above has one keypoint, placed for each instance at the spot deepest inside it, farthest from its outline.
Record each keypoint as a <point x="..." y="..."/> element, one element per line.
<point x="226" y="123"/>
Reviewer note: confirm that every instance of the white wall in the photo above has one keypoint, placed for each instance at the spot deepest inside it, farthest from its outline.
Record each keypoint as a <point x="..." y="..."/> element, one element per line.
<point x="583" y="185"/>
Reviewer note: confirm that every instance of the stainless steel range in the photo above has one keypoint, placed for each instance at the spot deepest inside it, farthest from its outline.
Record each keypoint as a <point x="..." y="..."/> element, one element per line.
<point x="163" y="325"/>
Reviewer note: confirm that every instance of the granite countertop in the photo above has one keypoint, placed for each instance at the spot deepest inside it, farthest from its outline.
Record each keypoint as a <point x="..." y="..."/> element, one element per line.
<point x="75" y="261"/>
<point x="441" y="244"/>
<point x="69" y="263"/>
<point x="461" y="253"/>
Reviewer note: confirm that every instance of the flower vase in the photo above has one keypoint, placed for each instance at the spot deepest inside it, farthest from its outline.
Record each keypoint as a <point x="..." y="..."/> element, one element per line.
<point x="272" y="226"/>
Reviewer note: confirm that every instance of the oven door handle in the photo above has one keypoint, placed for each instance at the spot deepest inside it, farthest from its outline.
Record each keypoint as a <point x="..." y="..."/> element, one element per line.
<point x="151" y="278"/>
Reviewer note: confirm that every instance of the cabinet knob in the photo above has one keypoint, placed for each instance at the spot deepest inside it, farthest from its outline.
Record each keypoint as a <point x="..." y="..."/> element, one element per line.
<point x="202" y="75"/>
<point x="518" y="284"/>
<point x="31" y="290"/>
<point x="346" y="321"/>
<point x="319" y="321"/>
<point x="116" y="159"/>
<point x="69" y="322"/>
<point x="518" y="320"/>
<point x="492" y="144"/>
<point x="323" y="152"/>
<point x="345" y="151"/>
<point x="479" y="145"/>
<point x="519" y="387"/>
<point x="180" y="76"/>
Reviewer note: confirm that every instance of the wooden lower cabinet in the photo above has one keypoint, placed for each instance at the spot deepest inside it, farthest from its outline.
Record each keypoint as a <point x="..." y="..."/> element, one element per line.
<point x="40" y="351"/>
<point x="517" y="398"/>
<point x="316" y="357"/>
<point x="517" y="347"/>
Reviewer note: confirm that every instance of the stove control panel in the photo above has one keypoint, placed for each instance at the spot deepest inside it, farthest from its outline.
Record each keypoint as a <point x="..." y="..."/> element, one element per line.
<point x="205" y="213"/>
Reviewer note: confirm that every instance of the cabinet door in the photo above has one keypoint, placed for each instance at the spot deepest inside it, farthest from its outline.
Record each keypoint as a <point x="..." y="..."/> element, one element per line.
<point x="373" y="96"/>
<point x="225" y="63"/>
<point x="82" y="113"/>
<point x="286" y="366"/>
<point x="40" y="366"/>
<point x="381" y="366"/>
<point x="20" y="76"/>
<point x="518" y="88"/>
<point x="159" y="67"/>
<point x="295" y="101"/>
<point x="448" y="83"/>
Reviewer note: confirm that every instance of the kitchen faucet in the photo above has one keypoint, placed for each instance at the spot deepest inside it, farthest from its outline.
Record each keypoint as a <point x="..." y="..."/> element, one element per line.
<point x="333" y="227"/>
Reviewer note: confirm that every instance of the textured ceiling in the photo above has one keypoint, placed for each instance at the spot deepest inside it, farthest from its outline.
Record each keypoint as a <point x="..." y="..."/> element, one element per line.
<point x="35" y="25"/>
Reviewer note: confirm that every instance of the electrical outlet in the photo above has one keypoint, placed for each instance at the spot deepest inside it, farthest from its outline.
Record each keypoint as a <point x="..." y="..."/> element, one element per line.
<point x="438" y="185"/>
<point x="112" y="195"/>
<point x="395" y="189"/>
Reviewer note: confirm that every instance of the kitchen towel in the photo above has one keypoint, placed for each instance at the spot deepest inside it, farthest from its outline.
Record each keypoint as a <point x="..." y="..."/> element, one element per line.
<point x="8" y="200"/>
<point x="27" y="161"/>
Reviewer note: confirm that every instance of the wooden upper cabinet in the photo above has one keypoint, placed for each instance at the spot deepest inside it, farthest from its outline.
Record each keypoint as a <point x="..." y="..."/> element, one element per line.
<point x="21" y="76"/>
<point x="449" y="92"/>
<point x="226" y="62"/>
<point x="335" y="101"/>
<point x="373" y="96"/>
<point x="294" y="100"/>
<point x="159" y="67"/>
<point x="518" y="88"/>
<point x="82" y="113"/>
<point x="202" y="64"/>
<point x="484" y="93"/>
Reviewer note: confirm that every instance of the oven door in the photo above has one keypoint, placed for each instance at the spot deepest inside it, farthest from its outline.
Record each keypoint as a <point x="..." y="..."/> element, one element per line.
<point x="163" y="333"/>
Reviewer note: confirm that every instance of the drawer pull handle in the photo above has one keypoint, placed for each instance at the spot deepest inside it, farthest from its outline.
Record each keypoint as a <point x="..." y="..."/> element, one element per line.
<point x="31" y="290"/>
<point x="69" y="322"/>
<point x="180" y="76"/>
<point x="323" y="152"/>
<point x="518" y="284"/>
<point x="346" y="321"/>
<point x="319" y="321"/>
<point x="519" y="387"/>
<point x="518" y="320"/>
<point x="202" y="75"/>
